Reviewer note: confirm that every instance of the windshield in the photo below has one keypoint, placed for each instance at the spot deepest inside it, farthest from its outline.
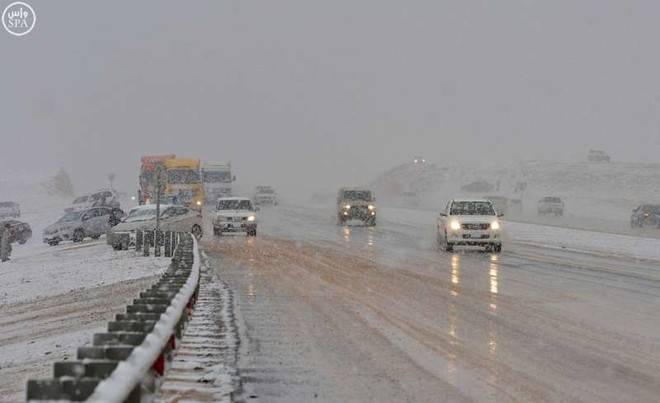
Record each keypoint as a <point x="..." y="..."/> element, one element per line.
<point x="357" y="195"/>
<point x="141" y="214"/>
<point x="654" y="209"/>
<point x="472" y="208"/>
<point x="73" y="216"/>
<point x="182" y="176"/>
<point x="81" y="199"/>
<point x="217" y="177"/>
<point x="234" y="205"/>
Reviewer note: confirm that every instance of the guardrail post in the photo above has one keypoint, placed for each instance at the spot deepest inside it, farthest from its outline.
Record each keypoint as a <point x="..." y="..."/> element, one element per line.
<point x="138" y="240"/>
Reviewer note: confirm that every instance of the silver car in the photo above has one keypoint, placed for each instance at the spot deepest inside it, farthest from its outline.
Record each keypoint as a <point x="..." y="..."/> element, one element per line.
<point x="172" y="218"/>
<point x="77" y="225"/>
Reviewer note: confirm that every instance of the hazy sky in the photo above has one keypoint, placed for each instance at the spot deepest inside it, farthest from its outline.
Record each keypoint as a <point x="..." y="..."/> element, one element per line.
<point x="323" y="93"/>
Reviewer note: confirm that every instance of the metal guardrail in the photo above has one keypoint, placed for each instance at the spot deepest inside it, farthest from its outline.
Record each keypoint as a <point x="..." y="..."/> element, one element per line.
<point x="124" y="363"/>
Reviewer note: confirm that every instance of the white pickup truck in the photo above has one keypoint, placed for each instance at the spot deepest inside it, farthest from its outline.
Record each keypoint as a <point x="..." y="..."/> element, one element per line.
<point x="550" y="205"/>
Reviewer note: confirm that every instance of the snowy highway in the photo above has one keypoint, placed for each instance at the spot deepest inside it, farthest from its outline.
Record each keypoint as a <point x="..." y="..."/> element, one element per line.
<point x="378" y="314"/>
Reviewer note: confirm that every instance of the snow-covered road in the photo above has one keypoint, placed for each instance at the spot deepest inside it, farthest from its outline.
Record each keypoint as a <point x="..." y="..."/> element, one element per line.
<point x="378" y="314"/>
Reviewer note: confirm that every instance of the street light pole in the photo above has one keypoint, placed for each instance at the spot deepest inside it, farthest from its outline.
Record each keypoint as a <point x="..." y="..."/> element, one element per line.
<point x="159" y="174"/>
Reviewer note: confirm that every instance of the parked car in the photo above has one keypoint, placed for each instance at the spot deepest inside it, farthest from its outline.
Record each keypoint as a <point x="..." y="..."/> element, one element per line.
<point x="550" y="205"/>
<point x="470" y="222"/>
<point x="265" y="195"/>
<point x="172" y="218"/>
<point x="598" y="156"/>
<point x="20" y="231"/>
<point x="9" y="209"/>
<point x="235" y="214"/>
<point x="103" y="197"/>
<point x="77" y="225"/>
<point x="645" y="215"/>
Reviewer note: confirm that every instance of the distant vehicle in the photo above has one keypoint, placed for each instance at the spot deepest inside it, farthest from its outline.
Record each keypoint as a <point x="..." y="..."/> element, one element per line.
<point x="235" y="214"/>
<point x="477" y="187"/>
<point x="77" y="225"/>
<point x="100" y="198"/>
<point x="20" y="231"/>
<point x="419" y="160"/>
<point x="217" y="180"/>
<point x="148" y="166"/>
<point x="598" y="156"/>
<point x="645" y="215"/>
<point x="9" y="209"/>
<point x="470" y="222"/>
<point x="184" y="183"/>
<point x="356" y="204"/>
<point x="410" y="199"/>
<point x="172" y="218"/>
<point x="550" y="205"/>
<point x="265" y="195"/>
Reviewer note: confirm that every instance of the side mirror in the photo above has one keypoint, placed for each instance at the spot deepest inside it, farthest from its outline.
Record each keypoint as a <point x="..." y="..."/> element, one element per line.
<point x="443" y="214"/>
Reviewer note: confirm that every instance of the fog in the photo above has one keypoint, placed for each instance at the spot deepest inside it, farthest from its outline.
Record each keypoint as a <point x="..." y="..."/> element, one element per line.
<point x="307" y="95"/>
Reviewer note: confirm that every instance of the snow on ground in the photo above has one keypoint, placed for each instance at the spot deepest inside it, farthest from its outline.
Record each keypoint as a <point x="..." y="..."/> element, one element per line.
<point x="53" y="300"/>
<point x="71" y="266"/>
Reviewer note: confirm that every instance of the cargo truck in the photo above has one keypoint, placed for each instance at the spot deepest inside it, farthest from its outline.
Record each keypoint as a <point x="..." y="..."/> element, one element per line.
<point x="217" y="180"/>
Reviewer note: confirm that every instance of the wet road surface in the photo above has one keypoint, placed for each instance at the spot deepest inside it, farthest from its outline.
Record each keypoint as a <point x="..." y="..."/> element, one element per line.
<point x="330" y="313"/>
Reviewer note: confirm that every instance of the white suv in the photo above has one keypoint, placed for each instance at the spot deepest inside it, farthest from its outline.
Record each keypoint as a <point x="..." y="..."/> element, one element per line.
<point x="235" y="214"/>
<point x="470" y="222"/>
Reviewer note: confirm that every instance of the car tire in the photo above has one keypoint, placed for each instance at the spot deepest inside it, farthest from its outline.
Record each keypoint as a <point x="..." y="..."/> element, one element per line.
<point x="95" y="236"/>
<point x="22" y="241"/>
<point x="497" y="248"/>
<point x="78" y="235"/>
<point x="197" y="231"/>
<point x="53" y="243"/>
<point x="252" y="232"/>
<point x="216" y="232"/>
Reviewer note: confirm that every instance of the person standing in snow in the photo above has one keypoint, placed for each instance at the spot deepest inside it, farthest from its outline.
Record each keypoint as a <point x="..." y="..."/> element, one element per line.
<point x="5" y="243"/>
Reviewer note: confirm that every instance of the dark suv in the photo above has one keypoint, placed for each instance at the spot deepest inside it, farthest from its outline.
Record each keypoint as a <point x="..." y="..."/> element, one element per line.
<point x="645" y="215"/>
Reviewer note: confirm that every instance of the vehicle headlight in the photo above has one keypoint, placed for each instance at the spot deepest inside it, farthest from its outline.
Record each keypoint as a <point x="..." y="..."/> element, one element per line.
<point x="495" y="225"/>
<point x="455" y="225"/>
<point x="199" y="202"/>
<point x="371" y="207"/>
<point x="252" y="218"/>
<point x="347" y="206"/>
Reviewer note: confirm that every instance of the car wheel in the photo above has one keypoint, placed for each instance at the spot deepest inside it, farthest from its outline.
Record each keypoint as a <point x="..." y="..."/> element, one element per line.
<point x="78" y="235"/>
<point x="53" y="243"/>
<point x="497" y="248"/>
<point x="197" y="231"/>
<point x="95" y="236"/>
<point x="252" y="232"/>
<point x="22" y="241"/>
<point x="215" y="231"/>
